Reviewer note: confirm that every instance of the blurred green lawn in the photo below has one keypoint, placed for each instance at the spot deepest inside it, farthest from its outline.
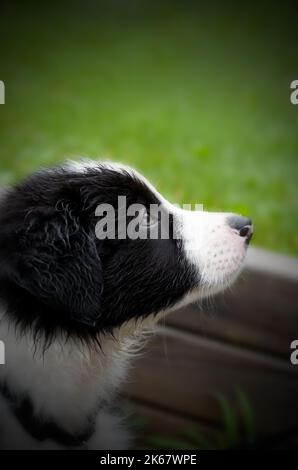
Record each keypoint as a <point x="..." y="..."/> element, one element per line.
<point x="195" y="98"/>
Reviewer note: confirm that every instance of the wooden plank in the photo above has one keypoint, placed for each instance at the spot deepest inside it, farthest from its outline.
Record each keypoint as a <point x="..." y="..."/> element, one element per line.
<point x="181" y="372"/>
<point x="260" y="312"/>
<point x="273" y="264"/>
<point x="159" y="423"/>
<point x="156" y="422"/>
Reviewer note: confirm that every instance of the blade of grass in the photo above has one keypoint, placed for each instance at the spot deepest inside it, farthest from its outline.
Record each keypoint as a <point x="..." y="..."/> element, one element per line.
<point x="248" y="418"/>
<point x="198" y="439"/>
<point x="231" y="434"/>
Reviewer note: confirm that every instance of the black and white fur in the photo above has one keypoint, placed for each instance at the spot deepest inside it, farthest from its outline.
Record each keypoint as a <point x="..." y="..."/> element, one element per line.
<point x="73" y="308"/>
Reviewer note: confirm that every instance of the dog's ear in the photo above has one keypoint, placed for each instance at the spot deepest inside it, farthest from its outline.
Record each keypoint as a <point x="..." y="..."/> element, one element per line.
<point x="57" y="262"/>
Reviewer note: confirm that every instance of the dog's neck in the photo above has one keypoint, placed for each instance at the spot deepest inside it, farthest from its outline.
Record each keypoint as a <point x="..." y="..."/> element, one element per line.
<point x="68" y="382"/>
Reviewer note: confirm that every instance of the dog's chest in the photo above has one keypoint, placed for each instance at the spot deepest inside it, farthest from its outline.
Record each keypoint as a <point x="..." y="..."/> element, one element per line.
<point x="66" y="384"/>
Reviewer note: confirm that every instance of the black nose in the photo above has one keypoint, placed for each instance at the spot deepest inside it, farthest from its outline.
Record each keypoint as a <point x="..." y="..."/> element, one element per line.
<point x="243" y="225"/>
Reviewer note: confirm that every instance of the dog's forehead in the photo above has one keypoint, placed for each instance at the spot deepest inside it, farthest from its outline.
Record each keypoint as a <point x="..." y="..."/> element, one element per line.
<point x="85" y="166"/>
<point x="119" y="169"/>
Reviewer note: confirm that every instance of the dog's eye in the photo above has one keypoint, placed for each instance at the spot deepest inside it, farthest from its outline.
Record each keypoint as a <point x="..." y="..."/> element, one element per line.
<point x="148" y="219"/>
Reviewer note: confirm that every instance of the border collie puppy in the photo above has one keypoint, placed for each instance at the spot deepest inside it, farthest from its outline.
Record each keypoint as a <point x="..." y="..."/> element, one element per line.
<point x="73" y="306"/>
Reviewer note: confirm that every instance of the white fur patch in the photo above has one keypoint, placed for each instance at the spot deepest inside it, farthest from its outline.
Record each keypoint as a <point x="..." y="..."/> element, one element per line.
<point x="67" y="383"/>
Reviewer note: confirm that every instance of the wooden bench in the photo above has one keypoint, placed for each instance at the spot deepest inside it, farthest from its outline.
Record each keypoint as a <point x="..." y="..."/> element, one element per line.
<point x="241" y="340"/>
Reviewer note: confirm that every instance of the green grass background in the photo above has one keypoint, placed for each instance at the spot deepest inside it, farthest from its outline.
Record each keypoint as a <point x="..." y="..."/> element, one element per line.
<point x="195" y="95"/>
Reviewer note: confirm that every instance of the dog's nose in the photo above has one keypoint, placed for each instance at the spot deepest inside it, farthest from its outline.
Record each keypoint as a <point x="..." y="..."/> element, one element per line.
<point x="243" y="225"/>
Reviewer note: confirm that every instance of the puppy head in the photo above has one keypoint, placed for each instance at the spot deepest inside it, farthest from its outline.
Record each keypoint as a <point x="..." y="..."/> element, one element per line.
<point x="57" y="273"/>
